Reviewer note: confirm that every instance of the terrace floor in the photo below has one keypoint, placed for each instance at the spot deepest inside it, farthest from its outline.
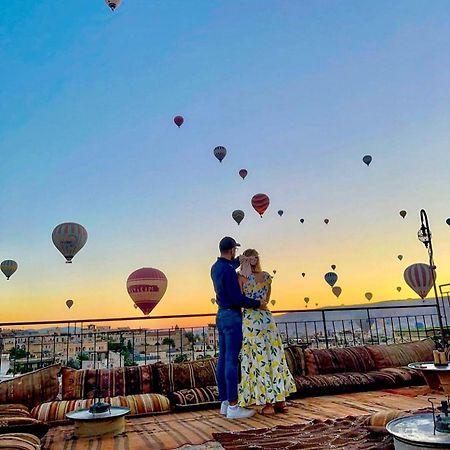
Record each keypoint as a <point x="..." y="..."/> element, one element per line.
<point x="193" y="429"/>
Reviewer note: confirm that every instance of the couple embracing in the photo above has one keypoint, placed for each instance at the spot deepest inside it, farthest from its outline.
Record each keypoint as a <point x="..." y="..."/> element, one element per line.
<point x="247" y="329"/>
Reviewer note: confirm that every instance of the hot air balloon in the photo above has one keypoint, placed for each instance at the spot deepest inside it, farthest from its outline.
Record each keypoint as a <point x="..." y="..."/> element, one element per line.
<point x="448" y="221"/>
<point x="368" y="295"/>
<point x="367" y="160"/>
<point x="403" y="213"/>
<point x="326" y="221"/>
<point x="243" y="173"/>
<point x="419" y="278"/>
<point x="260" y="203"/>
<point x="8" y="267"/>
<point x="274" y="271"/>
<point x="306" y="300"/>
<point x="213" y="301"/>
<point x="302" y="220"/>
<point x="303" y="274"/>
<point x="69" y="303"/>
<point x="280" y="212"/>
<point x="399" y="288"/>
<point x="331" y="278"/>
<point x="273" y="302"/>
<point x="146" y="287"/>
<point x="337" y="291"/>
<point x="113" y="4"/>
<point x="69" y="238"/>
<point x="238" y="215"/>
<point x="317" y="305"/>
<point x="220" y="152"/>
<point x="179" y="120"/>
<point x="333" y="266"/>
<point x="400" y="257"/>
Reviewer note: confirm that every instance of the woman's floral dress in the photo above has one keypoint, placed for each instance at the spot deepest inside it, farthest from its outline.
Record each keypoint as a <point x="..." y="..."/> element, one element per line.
<point x="265" y="377"/>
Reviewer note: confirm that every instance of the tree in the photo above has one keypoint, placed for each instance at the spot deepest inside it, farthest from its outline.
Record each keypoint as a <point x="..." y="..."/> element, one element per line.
<point x="17" y="353"/>
<point x="168" y="341"/>
<point x="181" y="358"/>
<point x="190" y="336"/>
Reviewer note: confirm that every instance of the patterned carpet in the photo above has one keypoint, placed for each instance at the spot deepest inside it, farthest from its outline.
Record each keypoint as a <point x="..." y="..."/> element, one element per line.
<point x="172" y="431"/>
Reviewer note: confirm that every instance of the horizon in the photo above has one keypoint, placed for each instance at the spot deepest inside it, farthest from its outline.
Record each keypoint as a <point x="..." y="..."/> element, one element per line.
<point x="298" y="93"/>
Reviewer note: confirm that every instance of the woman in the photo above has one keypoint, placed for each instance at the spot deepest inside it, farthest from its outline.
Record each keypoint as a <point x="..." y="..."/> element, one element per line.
<point x="266" y="379"/>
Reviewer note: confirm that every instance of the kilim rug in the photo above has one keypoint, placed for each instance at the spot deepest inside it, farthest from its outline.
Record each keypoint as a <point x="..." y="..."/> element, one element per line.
<point x="349" y="433"/>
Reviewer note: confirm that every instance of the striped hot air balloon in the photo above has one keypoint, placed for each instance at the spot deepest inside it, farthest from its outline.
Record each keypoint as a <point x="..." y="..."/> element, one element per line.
<point x="113" y="4"/>
<point x="238" y="215"/>
<point x="69" y="238"/>
<point x="419" y="277"/>
<point x="260" y="203"/>
<point x="8" y="267"/>
<point x="146" y="287"/>
<point x="220" y="152"/>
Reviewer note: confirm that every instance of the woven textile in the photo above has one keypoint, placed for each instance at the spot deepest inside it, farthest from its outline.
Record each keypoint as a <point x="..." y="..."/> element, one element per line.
<point x="206" y="396"/>
<point x="32" y="388"/>
<point x="14" y="410"/>
<point x="333" y="383"/>
<point x="19" y="441"/>
<point x="89" y="383"/>
<point x="396" y="355"/>
<point x="349" y="433"/>
<point x="178" y="376"/>
<point x="338" y="360"/>
<point x="295" y="358"/>
<point x="138" y="404"/>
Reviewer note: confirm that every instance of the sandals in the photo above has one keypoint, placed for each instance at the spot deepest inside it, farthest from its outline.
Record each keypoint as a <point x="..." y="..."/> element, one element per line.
<point x="281" y="407"/>
<point x="268" y="410"/>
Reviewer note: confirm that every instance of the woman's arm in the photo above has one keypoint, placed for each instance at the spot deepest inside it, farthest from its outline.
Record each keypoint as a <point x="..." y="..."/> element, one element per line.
<point x="241" y="280"/>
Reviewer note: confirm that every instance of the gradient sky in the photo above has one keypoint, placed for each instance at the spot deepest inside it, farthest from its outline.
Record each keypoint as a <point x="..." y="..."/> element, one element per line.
<point x="297" y="91"/>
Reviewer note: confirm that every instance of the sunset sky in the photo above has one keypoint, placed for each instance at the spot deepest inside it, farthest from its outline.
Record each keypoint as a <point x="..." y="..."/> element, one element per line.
<point x="297" y="91"/>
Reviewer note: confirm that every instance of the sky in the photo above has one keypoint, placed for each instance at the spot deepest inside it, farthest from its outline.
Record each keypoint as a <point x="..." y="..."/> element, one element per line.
<point x="297" y="91"/>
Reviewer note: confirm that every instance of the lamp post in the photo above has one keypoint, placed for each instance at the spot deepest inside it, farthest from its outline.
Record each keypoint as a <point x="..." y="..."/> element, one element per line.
<point x="424" y="235"/>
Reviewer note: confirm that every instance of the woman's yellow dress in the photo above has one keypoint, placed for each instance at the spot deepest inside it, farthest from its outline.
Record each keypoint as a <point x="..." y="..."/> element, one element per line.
<point x="265" y="377"/>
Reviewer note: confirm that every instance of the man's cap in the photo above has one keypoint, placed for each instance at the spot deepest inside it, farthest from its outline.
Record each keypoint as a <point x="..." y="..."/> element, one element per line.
<point x="227" y="243"/>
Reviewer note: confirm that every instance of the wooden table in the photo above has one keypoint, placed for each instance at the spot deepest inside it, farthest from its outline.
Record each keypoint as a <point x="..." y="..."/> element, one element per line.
<point x="437" y="376"/>
<point x="100" y="424"/>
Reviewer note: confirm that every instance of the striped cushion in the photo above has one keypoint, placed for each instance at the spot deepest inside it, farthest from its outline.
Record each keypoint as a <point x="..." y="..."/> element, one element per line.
<point x="32" y="388"/>
<point x="14" y="410"/>
<point x="19" y="441"/>
<point x="138" y="404"/>
<point x="178" y="376"/>
<point x="295" y="358"/>
<point x="396" y="355"/>
<point x="88" y="383"/>
<point x="197" y="396"/>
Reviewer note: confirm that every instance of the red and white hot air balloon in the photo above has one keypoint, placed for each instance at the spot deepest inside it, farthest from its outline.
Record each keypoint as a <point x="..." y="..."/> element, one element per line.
<point x="146" y="287"/>
<point x="179" y="120"/>
<point x="419" y="278"/>
<point x="260" y="203"/>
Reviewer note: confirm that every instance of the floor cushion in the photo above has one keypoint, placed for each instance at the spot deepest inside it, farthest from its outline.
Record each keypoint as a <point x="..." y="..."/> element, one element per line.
<point x="19" y="441"/>
<point x="206" y="396"/>
<point x="333" y="383"/>
<point x="405" y="375"/>
<point x="139" y="404"/>
<point x="396" y="355"/>
<point x="178" y="376"/>
<point x="23" y="425"/>
<point x="90" y="383"/>
<point x="32" y="388"/>
<point x="296" y="360"/>
<point x="14" y="410"/>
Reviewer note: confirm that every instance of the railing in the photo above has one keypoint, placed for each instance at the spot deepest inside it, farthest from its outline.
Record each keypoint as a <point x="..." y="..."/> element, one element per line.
<point x="90" y="343"/>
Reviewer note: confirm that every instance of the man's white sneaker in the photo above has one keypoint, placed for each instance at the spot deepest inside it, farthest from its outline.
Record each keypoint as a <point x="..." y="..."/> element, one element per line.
<point x="224" y="407"/>
<point x="236" y="412"/>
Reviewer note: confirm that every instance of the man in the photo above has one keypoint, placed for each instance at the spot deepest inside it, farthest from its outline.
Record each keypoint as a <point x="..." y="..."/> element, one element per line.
<point x="230" y="300"/>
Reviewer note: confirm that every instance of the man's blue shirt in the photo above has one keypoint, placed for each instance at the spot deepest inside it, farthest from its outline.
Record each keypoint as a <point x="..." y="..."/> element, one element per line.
<point x="226" y="285"/>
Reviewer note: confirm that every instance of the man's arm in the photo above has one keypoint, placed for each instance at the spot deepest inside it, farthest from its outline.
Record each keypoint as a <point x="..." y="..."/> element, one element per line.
<point x="235" y="262"/>
<point x="234" y="292"/>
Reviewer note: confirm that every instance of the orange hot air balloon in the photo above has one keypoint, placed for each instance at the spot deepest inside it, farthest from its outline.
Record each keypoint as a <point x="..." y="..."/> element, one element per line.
<point x="260" y="203"/>
<point x="243" y="173"/>
<point x="69" y="303"/>
<point x="146" y="287"/>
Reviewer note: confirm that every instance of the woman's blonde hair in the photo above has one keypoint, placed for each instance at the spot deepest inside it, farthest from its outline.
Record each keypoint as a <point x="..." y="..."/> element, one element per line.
<point x="252" y="252"/>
